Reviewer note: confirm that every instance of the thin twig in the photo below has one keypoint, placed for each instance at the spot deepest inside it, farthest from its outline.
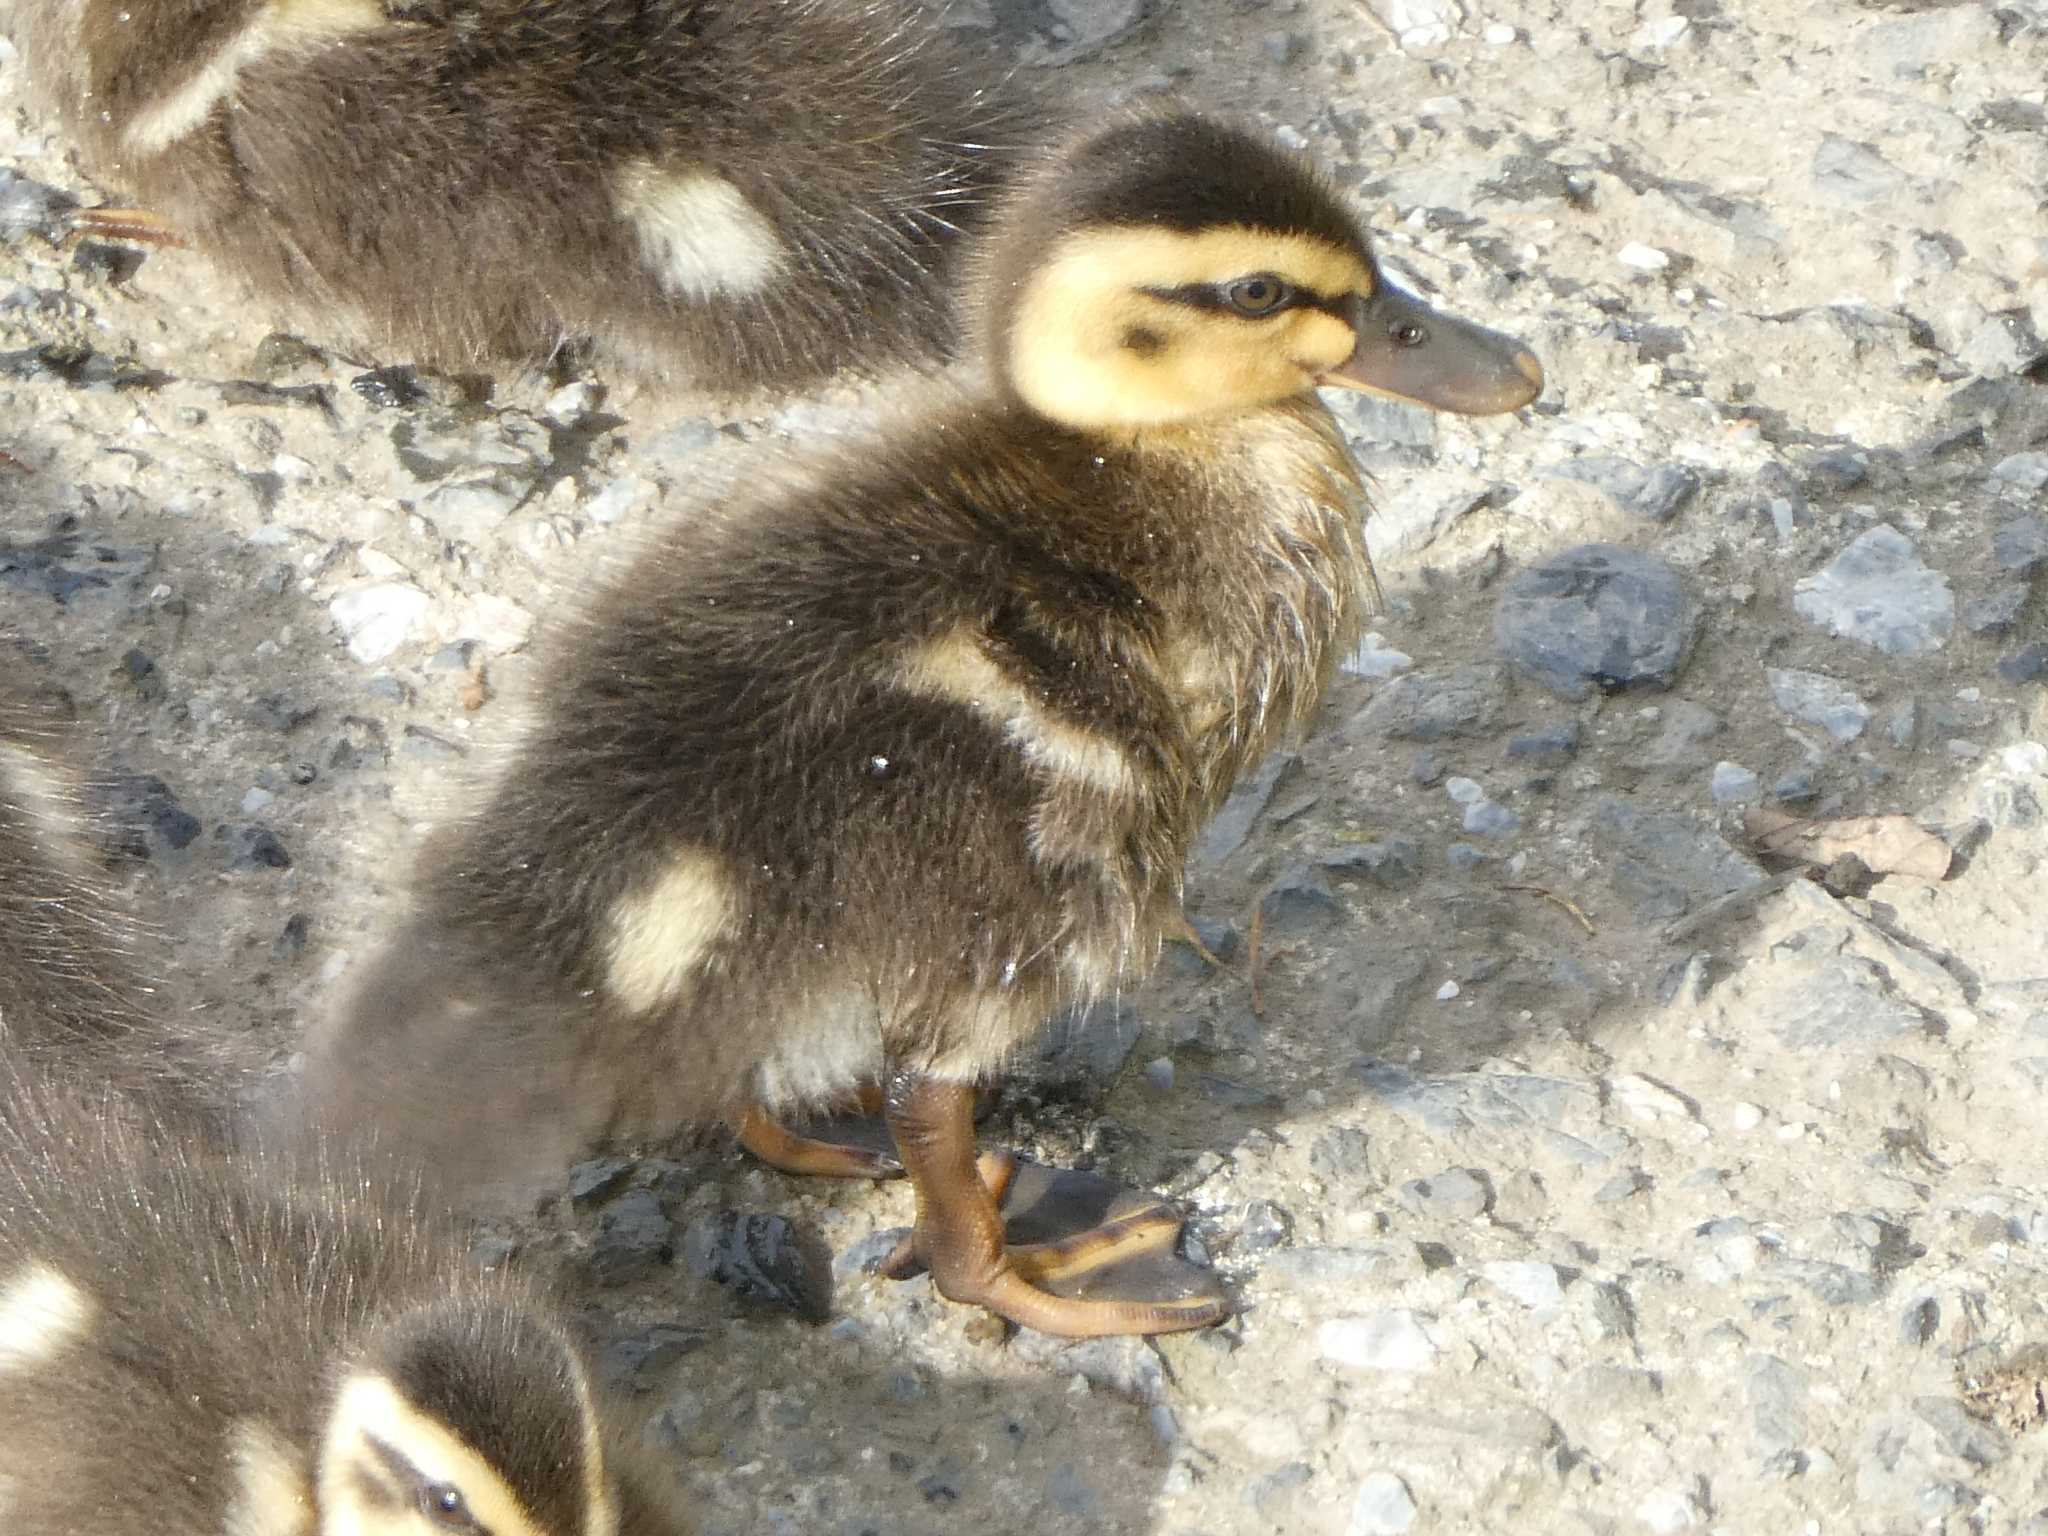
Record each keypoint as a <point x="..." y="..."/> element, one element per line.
<point x="1566" y="902"/>
<point x="1254" y="961"/>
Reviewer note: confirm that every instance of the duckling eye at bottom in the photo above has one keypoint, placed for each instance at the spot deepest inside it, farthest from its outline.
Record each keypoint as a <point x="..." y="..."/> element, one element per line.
<point x="443" y="1504"/>
<point x="1259" y="294"/>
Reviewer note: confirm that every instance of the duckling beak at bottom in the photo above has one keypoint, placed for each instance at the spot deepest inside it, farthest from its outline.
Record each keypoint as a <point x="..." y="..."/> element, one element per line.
<point x="1409" y="351"/>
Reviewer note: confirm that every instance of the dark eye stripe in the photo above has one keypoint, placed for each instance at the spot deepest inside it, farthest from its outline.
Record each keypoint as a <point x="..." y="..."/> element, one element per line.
<point x="1215" y="297"/>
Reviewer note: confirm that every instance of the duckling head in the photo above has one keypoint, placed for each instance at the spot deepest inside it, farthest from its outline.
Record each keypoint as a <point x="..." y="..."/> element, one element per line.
<point x="465" y="1415"/>
<point x="1173" y="268"/>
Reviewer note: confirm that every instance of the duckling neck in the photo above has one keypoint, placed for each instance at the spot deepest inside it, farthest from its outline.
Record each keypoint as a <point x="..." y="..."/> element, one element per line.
<point x="1246" y="536"/>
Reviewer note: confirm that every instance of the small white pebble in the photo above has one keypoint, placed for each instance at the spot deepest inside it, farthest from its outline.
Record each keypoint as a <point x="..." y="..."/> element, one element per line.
<point x="1746" y="1117"/>
<point x="1791" y="1130"/>
<point x="1499" y="34"/>
<point x="1644" y="258"/>
<point x="1464" y="791"/>
<point x="1447" y="991"/>
<point x="256" y="800"/>
<point x="1662" y="33"/>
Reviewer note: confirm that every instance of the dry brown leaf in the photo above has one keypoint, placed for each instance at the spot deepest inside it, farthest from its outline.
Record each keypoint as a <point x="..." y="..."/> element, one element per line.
<point x="1887" y="845"/>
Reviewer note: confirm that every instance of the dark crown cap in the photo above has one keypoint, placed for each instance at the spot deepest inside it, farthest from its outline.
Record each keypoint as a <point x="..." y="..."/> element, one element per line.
<point x="1188" y="173"/>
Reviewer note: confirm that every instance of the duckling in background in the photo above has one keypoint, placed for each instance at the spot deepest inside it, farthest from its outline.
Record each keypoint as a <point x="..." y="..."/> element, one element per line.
<point x="263" y="1344"/>
<point x="190" y="1344"/>
<point x="736" y="193"/>
<point x="888" y="761"/>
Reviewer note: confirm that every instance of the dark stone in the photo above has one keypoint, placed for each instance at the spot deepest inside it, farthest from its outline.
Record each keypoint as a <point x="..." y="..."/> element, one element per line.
<point x="1231" y="825"/>
<point x="78" y="367"/>
<point x="1085" y="1049"/>
<point x="1341" y="1156"/>
<point x="2021" y="545"/>
<point x="395" y="388"/>
<point x="1552" y="745"/>
<point x="758" y="1257"/>
<point x="1961" y="1435"/>
<point x="1664" y="862"/>
<point x="290" y="942"/>
<point x="596" y="1179"/>
<point x="1265" y="1225"/>
<point x="2028" y="664"/>
<point x="1431" y="706"/>
<point x="1997" y="611"/>
<point x="253" y="847"/>
<point x="145" y="815"/>
<point x="1594" y="616"/>
<point x="65" y="563"/>
<point x="1299" y="899"/>
<point x="1389" y="861"/>
<point x="281" y="353"/>
<point x="635" y="1363"/>
<point x="142" y="674"/>
<point x="282" y="713"/>
<point x="634" y="1237"/>
<point x="32" y="208"/>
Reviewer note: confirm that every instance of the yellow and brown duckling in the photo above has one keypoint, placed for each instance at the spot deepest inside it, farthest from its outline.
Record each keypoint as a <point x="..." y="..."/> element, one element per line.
<point x="191" y="1344"/>
<point x="267" y="1344"/>
<point x="884" y="763"/>
<point x="734" y="192"/>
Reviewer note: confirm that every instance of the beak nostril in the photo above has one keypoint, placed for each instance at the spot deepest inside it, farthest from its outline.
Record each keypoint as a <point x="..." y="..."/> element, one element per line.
<point x="1527" y="366"/>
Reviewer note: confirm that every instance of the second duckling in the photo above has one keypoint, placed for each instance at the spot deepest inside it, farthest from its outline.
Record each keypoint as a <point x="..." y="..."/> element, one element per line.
<point x="737" y="193"/>
<point x="891" y="759"/>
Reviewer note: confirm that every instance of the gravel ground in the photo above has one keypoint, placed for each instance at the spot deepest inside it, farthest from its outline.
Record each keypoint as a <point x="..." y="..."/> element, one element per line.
<point x="1580" y="1166"/>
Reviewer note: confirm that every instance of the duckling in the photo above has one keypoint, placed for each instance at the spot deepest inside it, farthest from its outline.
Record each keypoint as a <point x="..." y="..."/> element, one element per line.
<point x="890" y="759"/>
<point x="190" y="1344"/>
<point x="736" y="193"/>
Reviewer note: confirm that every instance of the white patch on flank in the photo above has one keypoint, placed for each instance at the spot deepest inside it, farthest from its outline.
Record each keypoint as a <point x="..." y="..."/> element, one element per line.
<point x="40" y="1312"/>
<point x="270" y="1494"/>
<point x="285" y="23"/>
<point x="661" y="933"/>
<point x="44" y="797"/>
<point x="957" y="668"/>
<point x="697" y="232"/>
<point x="827" y="1042"/>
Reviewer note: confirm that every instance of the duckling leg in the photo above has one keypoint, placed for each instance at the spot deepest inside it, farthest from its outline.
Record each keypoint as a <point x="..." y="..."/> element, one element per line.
<point x="137" y="224"/>
<point x="959" y="1232"/>
<point x="780" y="1147"/>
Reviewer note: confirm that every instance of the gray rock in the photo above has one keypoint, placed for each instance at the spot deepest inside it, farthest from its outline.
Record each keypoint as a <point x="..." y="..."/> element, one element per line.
<point x="1552" y="745"/>
<point x="1374" y="425"/>
<point x="1086" y="1048"/>
<point x="1466" y="857"/>
<point x="1489" y="818"/>
<point x="1997" y="611"/>
<point x="253" y="847"/>
<point x="1431" y="706"/>
<point x="1818" y="700"/>
<point x="1878" y="591"/>
<point x="1682" y="732"/>
<point x="31" y="208"/>
<point x="1777" y="1405"/>
<point x="143" y="815"/>
<point x="2022" y="544"/>
<point x="1654" y="495"/>
<point x="1231" y="825"/>
<point x="1664" y="862"/>
<point x="2028" y="471"/>
<point x="1384" y="1507"/>
<point x="1389" y="861"/>
<point x="1456" y="1194"/>
<point x="1300" y="899"/>
<point x="1341" y="1156"/>
<point x="1962" y="1436"/>
<point x="1843" y="1001"/>
<point x="2028" y="664"/>
<point x="1846" y="171"/>
<point x="1492" y="1103"/>
<point x="594" y="1180"/>
<point x="635" y="1363"/>
<point x="1796" y="787"/>
<point x="758" y="1257"/>
<point x="634" y="1237"/>
<point x="1531" y="1282"/>
<point x="1596" y="615"/>
<point x="2004" y="344"/>
<point x="1733" y="784"/>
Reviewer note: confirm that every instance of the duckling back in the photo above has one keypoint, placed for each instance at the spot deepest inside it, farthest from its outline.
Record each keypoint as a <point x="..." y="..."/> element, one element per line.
<point x="736" y="192"/>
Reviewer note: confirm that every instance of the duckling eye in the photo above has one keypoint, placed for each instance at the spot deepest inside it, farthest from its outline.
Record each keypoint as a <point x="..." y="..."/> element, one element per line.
<point x="443" y="1504"/>
<point x="1259" y="294"/>
<point x="1409" y="334"/>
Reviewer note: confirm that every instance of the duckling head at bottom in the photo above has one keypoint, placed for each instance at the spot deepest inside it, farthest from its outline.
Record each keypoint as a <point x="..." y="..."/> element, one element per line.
<point x="903" y="750"/>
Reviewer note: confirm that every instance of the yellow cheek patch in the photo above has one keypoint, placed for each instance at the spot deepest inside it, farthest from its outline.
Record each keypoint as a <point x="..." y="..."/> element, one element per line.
<point x="1091" y="343"/>
<point x="1320" y="340"/>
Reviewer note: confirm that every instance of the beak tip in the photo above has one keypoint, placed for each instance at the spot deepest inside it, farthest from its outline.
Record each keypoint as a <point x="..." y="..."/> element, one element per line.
<point x="1532" y="370"/>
